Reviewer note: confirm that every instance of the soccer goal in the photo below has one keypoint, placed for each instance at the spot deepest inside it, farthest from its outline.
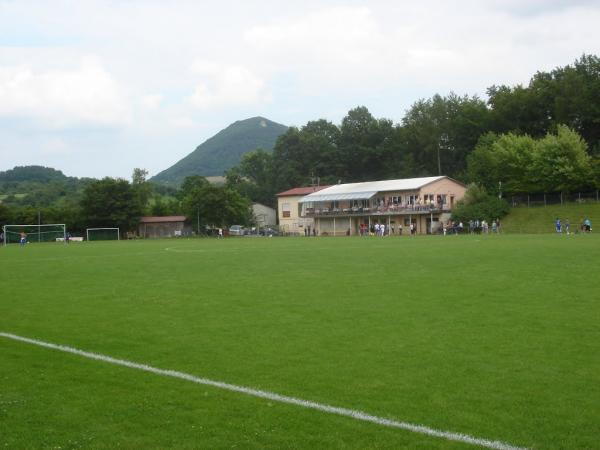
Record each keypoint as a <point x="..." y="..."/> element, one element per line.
<point x="102" y="234"/>
<point x="34" y="233"/>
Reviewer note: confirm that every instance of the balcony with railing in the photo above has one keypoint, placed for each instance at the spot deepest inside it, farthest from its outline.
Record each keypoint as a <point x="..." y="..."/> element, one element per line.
<point x="392" y="209"/>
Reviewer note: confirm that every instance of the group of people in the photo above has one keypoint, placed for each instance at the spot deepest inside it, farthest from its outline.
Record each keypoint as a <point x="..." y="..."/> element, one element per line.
<point x="483" y="227"/>
<point x="475" y="227"/>
<point x="307" y="231"/>
<point x="381" y="229"/>
<point x="585" y="227"/>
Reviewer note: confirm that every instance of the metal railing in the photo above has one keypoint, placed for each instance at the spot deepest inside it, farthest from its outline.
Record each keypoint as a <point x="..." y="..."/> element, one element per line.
<point x="534" y="200"/>
<point x="379" y="210"/>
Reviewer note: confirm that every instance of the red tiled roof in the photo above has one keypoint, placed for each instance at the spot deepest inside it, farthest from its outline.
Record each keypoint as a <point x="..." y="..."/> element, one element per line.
<point x="162" y="219"/>
<point x="301" y="191"/>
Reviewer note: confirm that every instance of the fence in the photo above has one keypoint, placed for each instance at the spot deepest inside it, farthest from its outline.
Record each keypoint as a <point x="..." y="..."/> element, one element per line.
<point x="533" y="200"/>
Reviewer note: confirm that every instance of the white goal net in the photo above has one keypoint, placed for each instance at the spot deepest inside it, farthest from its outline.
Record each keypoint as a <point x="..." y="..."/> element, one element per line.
<point x="102" y="234"/>
<point x="14" y="234"/>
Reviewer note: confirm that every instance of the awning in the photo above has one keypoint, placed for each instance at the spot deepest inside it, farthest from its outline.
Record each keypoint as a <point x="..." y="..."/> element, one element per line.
<point x="316" y="197"/>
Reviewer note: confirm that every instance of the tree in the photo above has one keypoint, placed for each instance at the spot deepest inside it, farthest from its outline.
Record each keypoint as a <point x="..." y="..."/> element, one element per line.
<point x="567" y="95"/>
<point x="190" y="184"/>
<point x="442" y="131"/>
<point x="141" y="187"/>
<point x="162" y="207"/>
<point x="6" y="215"/>
<point x="556" y="163"/>
<point x="361" y="140"/>
<point x="477" y="204"/>
<point x="253" y="177"/>
<point x="520" y="110"/>
<point x="290" y="161"/>
<point x="217" y="205"/>
<point x="111" y="203"/>
<point x="561" y="162"/>
<point x="505" y="159"/>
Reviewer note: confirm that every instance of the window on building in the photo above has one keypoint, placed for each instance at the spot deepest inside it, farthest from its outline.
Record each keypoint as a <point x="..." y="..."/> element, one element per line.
<point x="285" y="210"/>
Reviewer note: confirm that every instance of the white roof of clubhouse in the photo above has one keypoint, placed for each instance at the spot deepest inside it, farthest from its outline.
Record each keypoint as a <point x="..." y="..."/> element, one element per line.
<point x="367" y="189"/>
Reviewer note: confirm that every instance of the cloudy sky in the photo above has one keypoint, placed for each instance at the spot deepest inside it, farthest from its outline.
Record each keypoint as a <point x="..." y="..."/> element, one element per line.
<point x="96" y="88"/>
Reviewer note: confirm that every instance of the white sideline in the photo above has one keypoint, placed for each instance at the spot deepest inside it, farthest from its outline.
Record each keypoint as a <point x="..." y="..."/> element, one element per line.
<point x="358" y="415"/>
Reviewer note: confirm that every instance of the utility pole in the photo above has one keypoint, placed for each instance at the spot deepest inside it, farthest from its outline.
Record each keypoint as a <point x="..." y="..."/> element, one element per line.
<point x="442" y="141"/>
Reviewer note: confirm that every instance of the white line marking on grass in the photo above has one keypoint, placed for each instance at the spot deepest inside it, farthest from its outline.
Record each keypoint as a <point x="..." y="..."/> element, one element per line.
<point x="358" y="415"/>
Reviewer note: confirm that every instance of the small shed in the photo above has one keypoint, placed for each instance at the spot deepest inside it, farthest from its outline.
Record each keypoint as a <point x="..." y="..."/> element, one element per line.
<point x="162" y="226"/>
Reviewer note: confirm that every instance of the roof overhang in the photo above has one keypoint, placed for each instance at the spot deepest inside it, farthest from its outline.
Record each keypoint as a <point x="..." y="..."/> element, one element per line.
<point x="337" y="197"/>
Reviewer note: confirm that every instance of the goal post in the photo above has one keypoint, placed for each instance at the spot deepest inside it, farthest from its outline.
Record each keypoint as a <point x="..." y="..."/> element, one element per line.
<point x="102" y="234"/>
<point x="52" y="232"/>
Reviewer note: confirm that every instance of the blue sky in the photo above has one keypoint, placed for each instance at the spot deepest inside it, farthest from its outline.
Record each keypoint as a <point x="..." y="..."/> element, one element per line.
<point x="96" y="88"/>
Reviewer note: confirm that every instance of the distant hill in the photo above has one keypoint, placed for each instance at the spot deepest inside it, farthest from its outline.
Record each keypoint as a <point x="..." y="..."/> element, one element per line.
<point x="224" y="150"/>
<point x="39" y="186"/>
<point x="38" y="174"/>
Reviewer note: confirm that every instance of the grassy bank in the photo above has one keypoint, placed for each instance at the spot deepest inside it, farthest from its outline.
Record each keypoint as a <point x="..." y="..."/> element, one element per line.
<point x="540" y="219"/>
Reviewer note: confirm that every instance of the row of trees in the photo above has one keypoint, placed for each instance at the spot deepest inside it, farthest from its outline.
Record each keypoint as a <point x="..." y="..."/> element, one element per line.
<point x="555" y="120"/>
<point x="111" y="202"/>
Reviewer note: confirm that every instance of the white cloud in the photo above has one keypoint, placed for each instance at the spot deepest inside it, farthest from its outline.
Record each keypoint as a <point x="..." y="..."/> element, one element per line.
<point x="325" y="42"/>
<point x="55" y="147"/>
<point x="152" y="102"/>
<point x="86" y="95"/>
<point x="182" y="122"/>
<point x="222" y="85"/>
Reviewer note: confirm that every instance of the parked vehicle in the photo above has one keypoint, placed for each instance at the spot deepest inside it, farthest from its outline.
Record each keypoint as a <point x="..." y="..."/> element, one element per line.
<point x="236" y="230"/>
<point x="269" y="232"/>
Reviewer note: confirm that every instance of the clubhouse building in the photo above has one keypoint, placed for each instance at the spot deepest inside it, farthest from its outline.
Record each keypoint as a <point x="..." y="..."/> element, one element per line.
<point x="345" y="209"/>
<point x="289" y="211"/>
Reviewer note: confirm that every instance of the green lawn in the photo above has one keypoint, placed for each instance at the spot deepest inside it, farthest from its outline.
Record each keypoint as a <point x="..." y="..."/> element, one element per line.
<point x="496" y="336"/>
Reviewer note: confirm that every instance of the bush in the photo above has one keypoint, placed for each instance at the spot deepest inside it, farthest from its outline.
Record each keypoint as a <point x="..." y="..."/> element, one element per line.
<point x="479" y="205"/>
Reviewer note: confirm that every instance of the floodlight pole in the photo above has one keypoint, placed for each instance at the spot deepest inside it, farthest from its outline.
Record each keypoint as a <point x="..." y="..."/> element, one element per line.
<point x="39" y="228"/>
<point x="198" y="229"/>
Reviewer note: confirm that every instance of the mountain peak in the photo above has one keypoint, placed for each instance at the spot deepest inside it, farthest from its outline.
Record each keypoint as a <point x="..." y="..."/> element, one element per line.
<point x="224" y="150"/>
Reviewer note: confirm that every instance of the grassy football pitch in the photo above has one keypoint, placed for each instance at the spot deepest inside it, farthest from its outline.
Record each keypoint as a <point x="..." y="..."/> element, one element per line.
<point x="495" y="337"/>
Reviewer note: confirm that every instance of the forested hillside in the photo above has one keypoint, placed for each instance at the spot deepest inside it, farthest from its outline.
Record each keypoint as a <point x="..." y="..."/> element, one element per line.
<point x="39" y="186"/>
<point x="224" y="150"/>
